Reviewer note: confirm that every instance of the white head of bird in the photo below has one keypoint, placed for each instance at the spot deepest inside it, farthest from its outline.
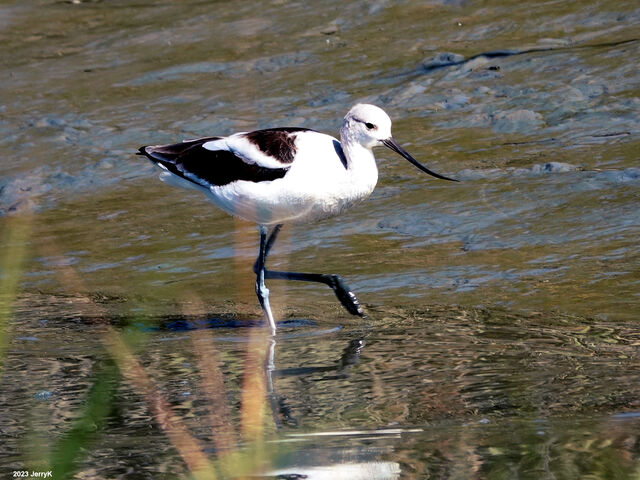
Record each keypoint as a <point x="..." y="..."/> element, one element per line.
<point x="369" y="126"/>
<point x="366" y="125"/>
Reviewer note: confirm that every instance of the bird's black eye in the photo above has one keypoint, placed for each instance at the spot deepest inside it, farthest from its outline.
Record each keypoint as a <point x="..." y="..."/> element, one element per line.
<point x="370" y="126"/>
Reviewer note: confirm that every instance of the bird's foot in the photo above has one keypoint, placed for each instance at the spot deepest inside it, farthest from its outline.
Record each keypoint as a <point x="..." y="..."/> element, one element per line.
<point x="345" y="295"/>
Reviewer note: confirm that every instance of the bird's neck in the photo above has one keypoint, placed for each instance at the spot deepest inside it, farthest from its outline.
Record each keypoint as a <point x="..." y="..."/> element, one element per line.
<point x="361" y="164"/>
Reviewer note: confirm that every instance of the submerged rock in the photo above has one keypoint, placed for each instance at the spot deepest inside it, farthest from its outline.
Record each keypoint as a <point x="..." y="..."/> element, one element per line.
<point x="516" y="121"/>
<point x="442" y="59"/>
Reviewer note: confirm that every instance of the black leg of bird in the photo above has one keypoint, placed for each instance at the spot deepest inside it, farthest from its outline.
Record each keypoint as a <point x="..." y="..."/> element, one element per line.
<point x="269" y="244"/>
<point x="337" y="284"/>
<point x="261" y="289"/>
<point x="339" y="287"/>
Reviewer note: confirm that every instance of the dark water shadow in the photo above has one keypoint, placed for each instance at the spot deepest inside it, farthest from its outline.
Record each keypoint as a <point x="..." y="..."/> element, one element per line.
<point x="446" y="60"/>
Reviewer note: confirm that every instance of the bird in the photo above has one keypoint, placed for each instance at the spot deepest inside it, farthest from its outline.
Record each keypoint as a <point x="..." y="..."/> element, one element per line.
<point x="286" y="175"/>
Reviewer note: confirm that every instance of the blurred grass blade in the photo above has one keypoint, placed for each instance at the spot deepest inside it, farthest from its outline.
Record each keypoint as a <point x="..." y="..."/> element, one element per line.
<point x="69" y="450"/>
<point x="187" y="445"/>
<point x="14" y="241"/>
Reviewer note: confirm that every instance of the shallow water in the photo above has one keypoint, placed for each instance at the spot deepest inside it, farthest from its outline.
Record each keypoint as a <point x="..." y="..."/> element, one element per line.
<point x="502" y="331"/>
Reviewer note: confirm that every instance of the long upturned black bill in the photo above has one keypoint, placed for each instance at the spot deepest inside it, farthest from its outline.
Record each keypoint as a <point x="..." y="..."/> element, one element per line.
<point x="391" y="143"/>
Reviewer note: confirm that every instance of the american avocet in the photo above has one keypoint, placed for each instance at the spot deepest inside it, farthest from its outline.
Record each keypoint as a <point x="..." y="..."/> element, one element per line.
<point x="285" y="175"/>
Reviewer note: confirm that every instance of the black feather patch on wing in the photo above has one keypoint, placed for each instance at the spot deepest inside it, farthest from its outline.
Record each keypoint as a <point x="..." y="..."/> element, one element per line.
<point x="191" y="161"/>
<point x="278" y="143"/>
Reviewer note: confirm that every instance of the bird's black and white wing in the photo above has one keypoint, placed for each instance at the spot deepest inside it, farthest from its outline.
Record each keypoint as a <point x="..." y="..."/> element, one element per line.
<point x="218" y="161"/>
